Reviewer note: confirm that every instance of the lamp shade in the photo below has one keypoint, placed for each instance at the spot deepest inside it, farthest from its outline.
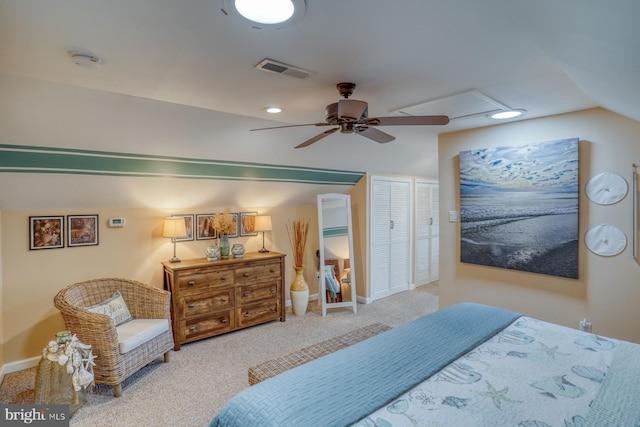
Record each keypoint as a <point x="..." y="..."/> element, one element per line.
<point x="174" y="227"/>
<point x="262" y="223"/>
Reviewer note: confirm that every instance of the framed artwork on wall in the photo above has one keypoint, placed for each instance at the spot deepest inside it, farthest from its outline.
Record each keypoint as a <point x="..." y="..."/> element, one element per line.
<point x="46" y="232"/>
<point x="188" y="221"/>
<point x="247" y="223"/>
<point x="204" y="227"/>
<point x="82" y="230"/>
<point x="234" y="216"/>
<point x="519" y="207"/>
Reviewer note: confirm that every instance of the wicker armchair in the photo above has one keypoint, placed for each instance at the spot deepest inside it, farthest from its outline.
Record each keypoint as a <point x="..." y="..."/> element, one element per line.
<point x="99" y="330"/>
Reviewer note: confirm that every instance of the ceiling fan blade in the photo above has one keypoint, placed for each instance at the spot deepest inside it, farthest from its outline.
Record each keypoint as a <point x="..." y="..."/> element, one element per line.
<point x="316" y="138"/>
<point x="351" y="109"/>
<point x="293" y="126"/>
<point x="375" y="134"/>
<point x="406" y="120"/>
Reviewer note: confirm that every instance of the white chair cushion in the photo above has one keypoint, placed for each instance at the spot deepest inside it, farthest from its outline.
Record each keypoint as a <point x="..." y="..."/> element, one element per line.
<point x="138" y="331"/>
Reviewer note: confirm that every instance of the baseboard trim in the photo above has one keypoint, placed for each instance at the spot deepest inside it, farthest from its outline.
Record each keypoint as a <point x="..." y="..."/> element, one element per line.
<point x="19" y="365"/>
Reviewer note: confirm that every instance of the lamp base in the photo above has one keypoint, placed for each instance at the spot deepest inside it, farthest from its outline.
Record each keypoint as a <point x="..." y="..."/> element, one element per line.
<point x="175" y="259"/>
<point x="263" y="250"/>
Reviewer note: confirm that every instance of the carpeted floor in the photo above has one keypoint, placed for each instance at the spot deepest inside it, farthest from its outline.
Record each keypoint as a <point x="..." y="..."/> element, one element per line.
<point x="202" y="376"/>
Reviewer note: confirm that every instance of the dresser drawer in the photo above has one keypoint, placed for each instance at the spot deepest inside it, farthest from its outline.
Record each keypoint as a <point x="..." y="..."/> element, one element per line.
<point x="257" y="272"/>
<point x="248" y="294"/>
<point x="198" y="280"/>
<point x="253" y="314"/>
<point x="212" y="324"/>
<point x="202" y="303"/>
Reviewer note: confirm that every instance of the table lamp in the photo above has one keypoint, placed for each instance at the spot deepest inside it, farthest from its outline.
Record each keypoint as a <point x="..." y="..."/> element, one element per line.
<point x="263" y="223"/>
<point x="174" y="228"/>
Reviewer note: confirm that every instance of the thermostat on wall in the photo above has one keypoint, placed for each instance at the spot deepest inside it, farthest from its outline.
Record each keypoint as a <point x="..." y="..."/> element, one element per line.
<point x="116" y="222"/>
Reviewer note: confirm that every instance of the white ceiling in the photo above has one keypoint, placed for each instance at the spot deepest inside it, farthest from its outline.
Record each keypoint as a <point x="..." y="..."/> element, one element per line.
<point x="545" y="56"/>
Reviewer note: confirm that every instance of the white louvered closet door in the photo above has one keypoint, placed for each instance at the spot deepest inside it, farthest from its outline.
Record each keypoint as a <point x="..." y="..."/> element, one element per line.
<point x="390" y="219"/>
<point x="422" y="268"/>
<point x="434" y="231"/>
<point x="427" y="231"/>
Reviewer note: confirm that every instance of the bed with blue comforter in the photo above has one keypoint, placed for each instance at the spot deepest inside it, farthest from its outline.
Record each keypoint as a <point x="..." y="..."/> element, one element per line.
<point x="466" y="365"/>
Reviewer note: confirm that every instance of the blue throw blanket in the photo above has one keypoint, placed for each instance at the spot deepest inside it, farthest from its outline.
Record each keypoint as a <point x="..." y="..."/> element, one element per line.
<point x="345" y="386"/>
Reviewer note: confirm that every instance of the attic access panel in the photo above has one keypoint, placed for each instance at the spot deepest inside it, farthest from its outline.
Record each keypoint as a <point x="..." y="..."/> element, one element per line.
<point x="472" y="103"/>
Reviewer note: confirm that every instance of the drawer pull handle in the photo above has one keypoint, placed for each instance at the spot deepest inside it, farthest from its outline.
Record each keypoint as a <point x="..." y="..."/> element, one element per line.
<point x="223" y="278"/>
<point x="245" y="274"/>
<point x="191" y="282"/>
<point x="192" y="328"/>
<point x="273" y="289"/>
<point x="246" y="294"/>
<point x="224" y="320"/>
<point x="192" y="305"/>
<point x="273" y="309"/>
<point x="272" y="270"/>
<point x="224" y="299"/>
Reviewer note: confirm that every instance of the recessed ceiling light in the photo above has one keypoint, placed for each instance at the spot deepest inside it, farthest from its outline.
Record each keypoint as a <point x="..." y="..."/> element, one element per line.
<point x="507" y="114"/>
<point x="266" y="13"/>
<point x="86" y="60"/>
<point x="273" y="110"/>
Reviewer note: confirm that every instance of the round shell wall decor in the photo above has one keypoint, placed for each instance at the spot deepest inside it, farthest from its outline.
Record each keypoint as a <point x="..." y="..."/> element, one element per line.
<point x="606" y="188"/>
<point x="605" y="240"/>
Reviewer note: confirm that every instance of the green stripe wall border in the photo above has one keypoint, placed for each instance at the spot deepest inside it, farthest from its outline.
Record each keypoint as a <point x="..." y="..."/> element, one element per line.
<point x="30" y="159"/>
<point x="335" y="231"/>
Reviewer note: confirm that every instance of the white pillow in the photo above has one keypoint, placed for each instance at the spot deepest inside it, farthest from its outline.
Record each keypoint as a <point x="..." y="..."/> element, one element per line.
<point x="114" y="307"/>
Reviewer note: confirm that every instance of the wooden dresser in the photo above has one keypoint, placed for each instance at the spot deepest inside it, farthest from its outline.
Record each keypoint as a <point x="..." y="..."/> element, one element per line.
<point x="214" y="297"/>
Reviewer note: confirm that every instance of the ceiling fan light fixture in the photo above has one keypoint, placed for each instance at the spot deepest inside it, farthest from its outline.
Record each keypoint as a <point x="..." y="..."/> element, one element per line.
<point x="273" y="110"/>
<point x="266" y="13"/>
<point x="506" y="114"/>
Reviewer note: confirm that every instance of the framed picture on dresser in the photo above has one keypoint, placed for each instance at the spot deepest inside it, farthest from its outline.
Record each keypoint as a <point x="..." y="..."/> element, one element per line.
<point x="204" y="227"/>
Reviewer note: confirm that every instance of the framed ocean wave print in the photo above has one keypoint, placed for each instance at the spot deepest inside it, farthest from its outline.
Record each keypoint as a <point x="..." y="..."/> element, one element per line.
<point x="519" y="207"/>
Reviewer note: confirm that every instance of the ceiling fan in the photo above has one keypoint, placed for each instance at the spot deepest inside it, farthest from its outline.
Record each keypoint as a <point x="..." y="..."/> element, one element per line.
<point x="351" y="116"/>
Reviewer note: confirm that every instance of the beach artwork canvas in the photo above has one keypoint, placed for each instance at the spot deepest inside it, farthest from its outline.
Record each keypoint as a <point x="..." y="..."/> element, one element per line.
<point x="519" y="207"/>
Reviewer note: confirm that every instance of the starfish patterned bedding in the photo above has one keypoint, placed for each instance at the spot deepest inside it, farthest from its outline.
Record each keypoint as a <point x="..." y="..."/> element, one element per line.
<point x="466" y="365"/>
<point x="531" y="374"/>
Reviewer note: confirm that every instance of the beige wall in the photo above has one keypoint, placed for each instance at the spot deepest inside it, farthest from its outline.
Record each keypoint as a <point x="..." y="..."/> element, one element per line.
<point x="607" y="291"/>
<point x="359" y="223"/>
<point x="30" y="279"/>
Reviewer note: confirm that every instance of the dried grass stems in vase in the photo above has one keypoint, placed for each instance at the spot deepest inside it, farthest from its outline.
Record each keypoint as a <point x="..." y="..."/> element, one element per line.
<point x="224" y="223"/>
<point x="297" y="230"/>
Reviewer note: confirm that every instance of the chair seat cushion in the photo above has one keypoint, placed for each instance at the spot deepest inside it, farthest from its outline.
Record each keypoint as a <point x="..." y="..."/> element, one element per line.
<point x="138" y="331"/>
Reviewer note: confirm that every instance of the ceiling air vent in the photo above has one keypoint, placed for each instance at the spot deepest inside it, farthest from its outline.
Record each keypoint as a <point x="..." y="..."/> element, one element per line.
<point x="271" y="66"/>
